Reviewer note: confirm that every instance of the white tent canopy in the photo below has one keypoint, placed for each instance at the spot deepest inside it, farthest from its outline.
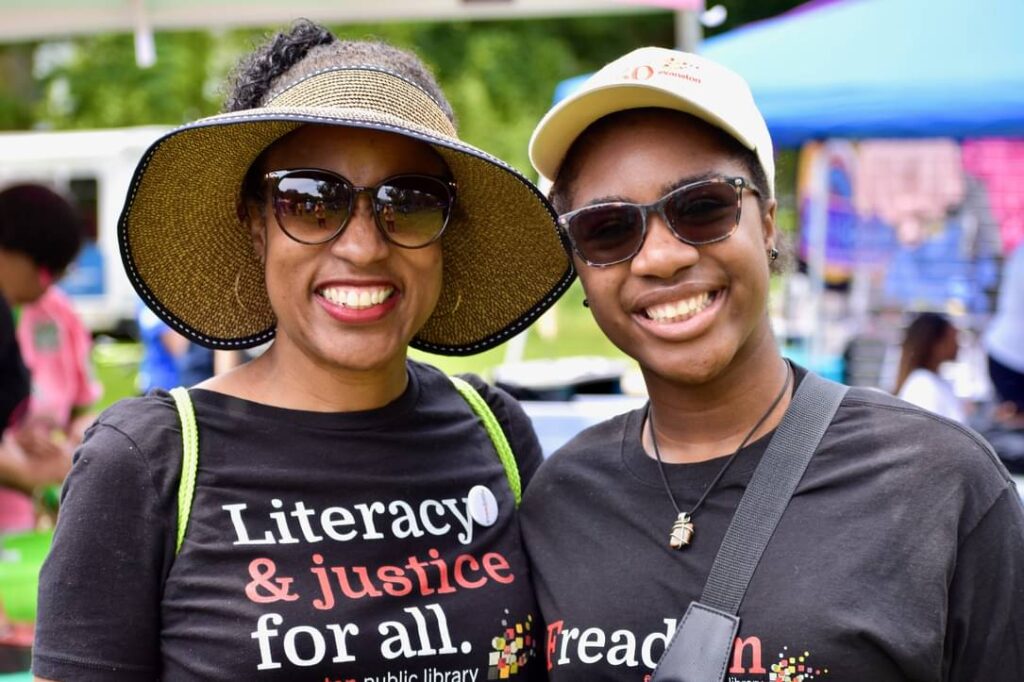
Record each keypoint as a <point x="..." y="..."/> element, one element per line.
<point x="34" y="19"/>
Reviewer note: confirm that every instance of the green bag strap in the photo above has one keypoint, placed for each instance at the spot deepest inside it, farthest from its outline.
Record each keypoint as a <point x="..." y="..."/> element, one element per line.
<point x="494" y="430"/>
<point x="189" y="460"/>
<point x="190" y="448"/>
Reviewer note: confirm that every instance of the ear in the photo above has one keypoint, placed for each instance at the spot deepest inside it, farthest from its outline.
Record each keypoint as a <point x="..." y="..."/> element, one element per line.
<point x="768" y="233"/>
<point x="254" y="218"/>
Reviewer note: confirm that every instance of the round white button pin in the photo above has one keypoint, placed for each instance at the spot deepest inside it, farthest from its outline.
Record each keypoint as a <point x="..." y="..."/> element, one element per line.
<point x="483" y="506"/>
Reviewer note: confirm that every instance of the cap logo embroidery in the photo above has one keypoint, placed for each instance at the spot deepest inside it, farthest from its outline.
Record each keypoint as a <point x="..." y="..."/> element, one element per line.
<point x="673" y="67"/>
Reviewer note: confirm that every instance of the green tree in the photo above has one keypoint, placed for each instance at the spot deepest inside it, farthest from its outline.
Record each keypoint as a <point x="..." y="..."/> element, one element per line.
<point x="499" y="75"/>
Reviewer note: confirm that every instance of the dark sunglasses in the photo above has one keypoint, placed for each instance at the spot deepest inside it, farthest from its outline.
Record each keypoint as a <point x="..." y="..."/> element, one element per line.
<point x="313" y="206"/>
<point x="698" y="213"/>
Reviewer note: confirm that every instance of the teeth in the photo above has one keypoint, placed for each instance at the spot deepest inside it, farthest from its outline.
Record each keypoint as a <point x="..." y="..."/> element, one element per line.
<point x="356" y="298"/>
<point x="680" y="310"/>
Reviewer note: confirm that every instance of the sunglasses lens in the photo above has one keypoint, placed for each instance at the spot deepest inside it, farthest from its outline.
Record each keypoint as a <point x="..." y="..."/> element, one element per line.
<point x="413" y="209"/>
<point x="310" y="206"/>
<point x="606" y="234"/>
<point x="705" y="213"/>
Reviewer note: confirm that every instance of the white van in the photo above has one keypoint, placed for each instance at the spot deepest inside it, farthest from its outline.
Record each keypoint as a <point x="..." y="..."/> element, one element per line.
<point x="93" y="167"/>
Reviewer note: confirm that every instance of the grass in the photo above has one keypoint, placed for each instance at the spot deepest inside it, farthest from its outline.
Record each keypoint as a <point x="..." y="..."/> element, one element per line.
<point x="566" y="330"/>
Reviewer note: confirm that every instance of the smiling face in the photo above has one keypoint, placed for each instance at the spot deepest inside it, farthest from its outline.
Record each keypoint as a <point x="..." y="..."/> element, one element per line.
<point x="353" y="303"/>
<point x="686" y="313"/>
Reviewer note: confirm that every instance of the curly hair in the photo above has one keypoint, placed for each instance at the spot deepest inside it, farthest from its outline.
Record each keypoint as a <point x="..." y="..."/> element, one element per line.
<point x="308" y="47"/>
<point x="41" y="224"/>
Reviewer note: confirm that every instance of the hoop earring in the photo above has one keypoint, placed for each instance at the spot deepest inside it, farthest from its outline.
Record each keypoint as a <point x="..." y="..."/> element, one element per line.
<point x="439" y="313"/>
<point x="237" y="287"/>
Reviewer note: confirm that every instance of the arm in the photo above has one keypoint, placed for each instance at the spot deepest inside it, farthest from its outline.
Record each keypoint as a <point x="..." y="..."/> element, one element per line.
<point x="986" y="598"/>
<point x="100" y="588"/>
<point x="35" y="463"/>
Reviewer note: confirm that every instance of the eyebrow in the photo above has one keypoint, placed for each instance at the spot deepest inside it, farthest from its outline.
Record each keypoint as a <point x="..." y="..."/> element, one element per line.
<point x="665" y="189"/>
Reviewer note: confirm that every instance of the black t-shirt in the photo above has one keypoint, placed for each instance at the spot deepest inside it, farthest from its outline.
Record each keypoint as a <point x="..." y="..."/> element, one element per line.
<point x="381" y="545"/>
<point x="900" y="556"/>
<point x="14" y="382"/>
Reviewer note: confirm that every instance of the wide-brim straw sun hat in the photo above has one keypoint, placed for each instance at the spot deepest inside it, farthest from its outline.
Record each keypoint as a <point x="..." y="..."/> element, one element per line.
<point x="191" y="259"/>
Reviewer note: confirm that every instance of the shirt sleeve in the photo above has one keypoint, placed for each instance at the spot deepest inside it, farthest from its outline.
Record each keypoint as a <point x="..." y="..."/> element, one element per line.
<point x="986" y="598"/>
<point x="100" y="587"/>
<point x="516" y="424"/>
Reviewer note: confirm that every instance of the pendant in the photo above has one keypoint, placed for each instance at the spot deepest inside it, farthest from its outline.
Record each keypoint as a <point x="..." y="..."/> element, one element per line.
<point x="682" y="532"/>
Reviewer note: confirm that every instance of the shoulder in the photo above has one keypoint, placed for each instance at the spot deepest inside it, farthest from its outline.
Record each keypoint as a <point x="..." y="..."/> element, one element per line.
<point x="515" y="423"/>
<point x="592" y="450"/>
<point x="912" y="452"/>
<point x="138" y="434"/>
<point x="139" y="417"/>
<point x="918" y="377"/>
<point x="434" y="382"/>
<point x="595" y="438"/>
<point x="499" y="400"/>
<point x="871" y="413"/>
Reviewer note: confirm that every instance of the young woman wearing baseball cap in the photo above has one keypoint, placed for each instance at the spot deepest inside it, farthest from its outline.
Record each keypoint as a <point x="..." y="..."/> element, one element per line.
<point x="900" y="555"/>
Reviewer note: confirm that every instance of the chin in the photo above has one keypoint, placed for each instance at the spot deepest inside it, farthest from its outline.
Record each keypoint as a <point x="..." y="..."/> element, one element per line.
<point x="354" y="361"/>
<point x="685" y="367"/>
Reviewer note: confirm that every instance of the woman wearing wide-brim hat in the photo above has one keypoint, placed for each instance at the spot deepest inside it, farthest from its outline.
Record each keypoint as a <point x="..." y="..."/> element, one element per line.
<point x="899" y="555"/>
<point x="330" y="510"/>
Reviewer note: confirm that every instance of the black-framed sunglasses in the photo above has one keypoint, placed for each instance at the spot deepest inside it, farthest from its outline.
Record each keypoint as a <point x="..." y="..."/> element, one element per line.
<point x="313" y="206"/>
<point x="699" y="213"/>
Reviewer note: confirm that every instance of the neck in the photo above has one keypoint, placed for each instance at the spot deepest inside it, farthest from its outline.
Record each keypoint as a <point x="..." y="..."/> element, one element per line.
<point x="698" y="422"/>
<point x="302" y="383"/>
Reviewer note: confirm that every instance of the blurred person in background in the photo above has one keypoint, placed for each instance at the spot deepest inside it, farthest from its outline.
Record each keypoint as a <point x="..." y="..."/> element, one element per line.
<point x="930" y="340"/>
<point x="40" y="235"/>
<point x="168" y="358"/>
<point x="1004" y="341"/>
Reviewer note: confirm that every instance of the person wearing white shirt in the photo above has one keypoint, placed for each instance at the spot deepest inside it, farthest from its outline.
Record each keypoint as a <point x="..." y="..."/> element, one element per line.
<point x="1004" y="338"/>
<point x="930" y="340"/>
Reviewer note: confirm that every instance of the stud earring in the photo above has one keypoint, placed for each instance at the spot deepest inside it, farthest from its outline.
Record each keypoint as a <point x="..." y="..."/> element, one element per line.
<point x="773" y="254"/>
<point x="586" y="303"/>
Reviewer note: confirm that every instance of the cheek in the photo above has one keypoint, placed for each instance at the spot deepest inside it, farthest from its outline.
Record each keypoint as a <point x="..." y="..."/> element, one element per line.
<point x="284" y="263"/>
<point x="601" y="287"/>
<point x="429" y="267"/>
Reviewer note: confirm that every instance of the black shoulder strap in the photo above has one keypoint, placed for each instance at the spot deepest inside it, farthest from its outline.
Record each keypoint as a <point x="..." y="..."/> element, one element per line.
<point x="700" y="649"/>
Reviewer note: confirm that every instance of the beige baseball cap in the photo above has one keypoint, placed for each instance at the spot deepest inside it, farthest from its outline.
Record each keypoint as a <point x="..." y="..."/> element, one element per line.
<point x="655" y="77"/>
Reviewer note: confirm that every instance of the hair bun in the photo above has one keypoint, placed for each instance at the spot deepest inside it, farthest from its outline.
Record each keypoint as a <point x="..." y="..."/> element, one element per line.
<point x="256" y="73"/>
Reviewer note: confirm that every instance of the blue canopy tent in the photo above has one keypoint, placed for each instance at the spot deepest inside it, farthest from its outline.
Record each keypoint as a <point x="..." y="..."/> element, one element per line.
<point x="881" y="68"/>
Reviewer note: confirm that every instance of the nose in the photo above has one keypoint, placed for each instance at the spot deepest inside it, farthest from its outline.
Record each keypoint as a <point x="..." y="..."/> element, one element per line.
<point x="361" y="242"/>
<point x="662" y="254"/>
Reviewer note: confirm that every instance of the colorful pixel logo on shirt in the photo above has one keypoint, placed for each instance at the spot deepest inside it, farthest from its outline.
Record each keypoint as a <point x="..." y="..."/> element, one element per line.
<point x="511" y="649"/>
<point x="794" y="668"/>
